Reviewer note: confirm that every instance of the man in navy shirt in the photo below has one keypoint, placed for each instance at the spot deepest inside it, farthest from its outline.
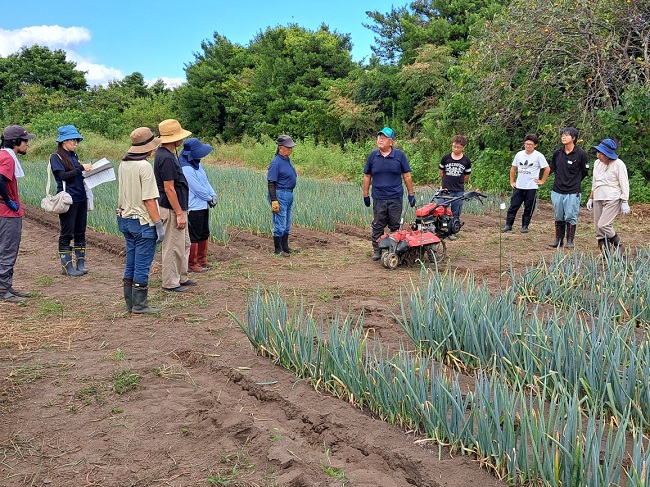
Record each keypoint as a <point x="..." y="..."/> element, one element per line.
<point x="385" y="168"/>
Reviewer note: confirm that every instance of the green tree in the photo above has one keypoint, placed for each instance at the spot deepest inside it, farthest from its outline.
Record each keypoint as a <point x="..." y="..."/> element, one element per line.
<point x="404" y="30"/>
<point x="37" y="66"/>
<point x="556" y="63"/>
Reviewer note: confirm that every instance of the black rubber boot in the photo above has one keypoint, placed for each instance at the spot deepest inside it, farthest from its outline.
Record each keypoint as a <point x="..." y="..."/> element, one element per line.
<point x="67" y="269"/>
<point x="277" y="243"/>
<point x="128" y="293"/>
<point x="285" y="244"/>
<point x="559" y="234"/>
<point x="80" y="257"/>
<point x="508" y="226"/>
<point x="601" y="244"/>
<point x="614" y="243"/>
<point x="140" y="305"/>
<point x="570" y="235"/>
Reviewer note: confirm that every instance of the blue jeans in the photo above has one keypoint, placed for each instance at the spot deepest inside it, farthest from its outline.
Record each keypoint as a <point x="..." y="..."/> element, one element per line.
<point x="566" y="207"/>
<point x="140" y="248"/>
<point x="456" y="206"/>
<point x="282" y="219"/>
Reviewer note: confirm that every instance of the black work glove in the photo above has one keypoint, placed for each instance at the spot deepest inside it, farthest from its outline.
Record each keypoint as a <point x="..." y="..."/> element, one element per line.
<point x="412" y="200"/>
<point x="366" y="201"/>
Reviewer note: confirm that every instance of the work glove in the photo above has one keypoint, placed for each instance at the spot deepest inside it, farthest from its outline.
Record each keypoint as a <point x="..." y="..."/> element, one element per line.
<point x="160" y="231"/>
<point x="366" y="201"/>
<point x="412" y="200"/>
<point x="590" y="204"/>
<point x="625" y="208"/>
<point x="213" y="202"/>
<point x="275" y="206"/>
<point x="14" y="206"/>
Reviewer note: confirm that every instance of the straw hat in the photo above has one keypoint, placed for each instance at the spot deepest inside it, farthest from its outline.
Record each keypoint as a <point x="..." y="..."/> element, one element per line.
<point x="143" y="141"/>
<point x="171" y="131"/>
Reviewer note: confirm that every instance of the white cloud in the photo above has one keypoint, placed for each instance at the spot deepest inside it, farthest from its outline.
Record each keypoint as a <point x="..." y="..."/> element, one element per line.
<point x="96" y="74"/>
<point x="169" y="82"/>
<point x="52" y="36"/>
<point x="57" y="37"/>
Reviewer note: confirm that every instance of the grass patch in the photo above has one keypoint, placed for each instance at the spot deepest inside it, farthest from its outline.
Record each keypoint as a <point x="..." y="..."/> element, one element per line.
<point x="125" y="380"/>
<point x="237" y="469"/>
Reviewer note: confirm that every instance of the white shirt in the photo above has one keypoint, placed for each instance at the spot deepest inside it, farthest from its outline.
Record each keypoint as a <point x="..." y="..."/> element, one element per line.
<point x="610" y="181"/>
<point x="528" y="168"/>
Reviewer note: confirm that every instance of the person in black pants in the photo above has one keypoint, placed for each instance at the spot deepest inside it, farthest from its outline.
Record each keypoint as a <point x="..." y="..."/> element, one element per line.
<point x="67" y="168"/>
<point x="527" y="165"/>
<point x="385" y="168"/>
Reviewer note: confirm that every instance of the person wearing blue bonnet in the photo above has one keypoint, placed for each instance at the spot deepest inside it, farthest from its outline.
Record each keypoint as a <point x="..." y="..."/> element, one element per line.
<point x="201" y="196"/>
<point x="281" y="180"/>
<point x="610" y="192"/>
<point x="67" y="169"/>
<point x="385" y="168"/>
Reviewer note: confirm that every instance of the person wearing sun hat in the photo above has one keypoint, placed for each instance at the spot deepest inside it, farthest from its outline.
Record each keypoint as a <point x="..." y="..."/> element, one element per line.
<point x="385" y="168"/>
<point x="67" y="168"/>
<point x="13" y="141"/>
<point x="281" y="178"/>
<point x="173" y="203"/>
<point x="201" y="197"/>
<point x="610" y="192"/>
<point x="138" y="218"/>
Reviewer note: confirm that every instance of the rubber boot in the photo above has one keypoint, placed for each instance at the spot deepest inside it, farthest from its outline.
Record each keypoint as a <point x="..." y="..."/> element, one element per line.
<point x="80" y="257"/>
<point x="285" y="244"/>
<point x="128" y="293"/>
<point x="570" y="235"/>
<point x="601" y="244"/>
<point x="559" y="234"/>
<point x="614" y="243"/>
<point x="277" y="243"/>
<point x="376" y="253"/>
<point x="192" y="264"/>
<point x="202" y="254"/>
<point x="140" y="304"/>
<point x="67" y="269"/>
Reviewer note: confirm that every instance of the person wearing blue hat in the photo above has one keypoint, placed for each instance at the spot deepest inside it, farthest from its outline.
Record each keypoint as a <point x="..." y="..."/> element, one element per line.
<point x="385" y="168"/>
<point x="610" y="192"/>
<point x="13" y="142"/>
<point x="68" y="174"/>
<point x="570" y="164"/>
<point x="201" y="196"/>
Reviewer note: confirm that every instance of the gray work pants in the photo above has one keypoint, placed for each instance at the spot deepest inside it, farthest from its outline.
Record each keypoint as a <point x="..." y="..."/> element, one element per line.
<point x="10" y="233"/>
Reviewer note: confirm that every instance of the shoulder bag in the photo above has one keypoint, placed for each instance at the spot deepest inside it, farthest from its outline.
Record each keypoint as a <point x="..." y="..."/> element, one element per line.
<point x="60" y="202"/>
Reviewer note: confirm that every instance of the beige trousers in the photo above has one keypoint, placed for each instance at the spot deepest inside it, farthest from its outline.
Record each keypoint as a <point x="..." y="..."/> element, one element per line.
<point x="175" y="250"/>
<point x="605" y="212"/>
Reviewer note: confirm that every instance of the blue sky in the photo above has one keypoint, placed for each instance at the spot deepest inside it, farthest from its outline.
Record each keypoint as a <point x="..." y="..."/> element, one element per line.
<point x="114" y="38"/>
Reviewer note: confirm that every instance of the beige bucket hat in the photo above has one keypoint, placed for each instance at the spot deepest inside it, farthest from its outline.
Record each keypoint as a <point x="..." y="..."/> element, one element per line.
<point x="171" y="131"/>
<point x="143" y="141"/>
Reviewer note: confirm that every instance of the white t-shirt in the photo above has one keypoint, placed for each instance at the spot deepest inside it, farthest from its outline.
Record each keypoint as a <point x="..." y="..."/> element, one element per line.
<point x="528" y="168"/>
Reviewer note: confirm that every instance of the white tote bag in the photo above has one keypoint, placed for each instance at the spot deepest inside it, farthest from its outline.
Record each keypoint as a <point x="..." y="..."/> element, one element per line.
<point x="60" y="202"/>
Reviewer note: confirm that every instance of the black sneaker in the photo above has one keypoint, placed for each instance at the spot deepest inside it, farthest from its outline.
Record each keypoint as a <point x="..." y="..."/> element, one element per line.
<point x="16" y="292"/>
<point x="9" y="297"/>
<point x="177" y="289"/>
<point x="189" y="282"/>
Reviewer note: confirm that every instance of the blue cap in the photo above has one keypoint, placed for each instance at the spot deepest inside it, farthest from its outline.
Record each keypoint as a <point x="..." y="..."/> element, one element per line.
<point x="67" y="132"/>
<point x="388" y="132"/>
<point x="607" y="147"/>
<point x="196" y="148"/>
